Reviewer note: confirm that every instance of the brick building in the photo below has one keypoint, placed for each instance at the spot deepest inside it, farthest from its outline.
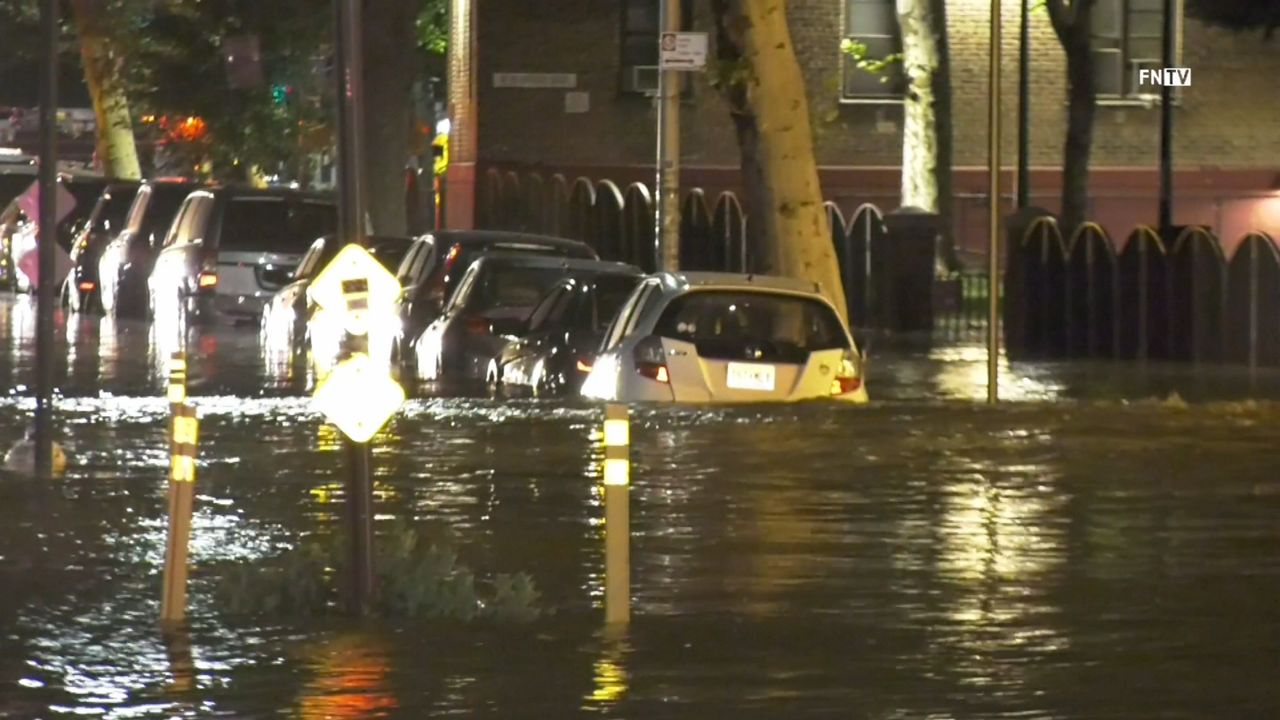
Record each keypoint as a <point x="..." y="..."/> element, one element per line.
<point x="565" y="86"/>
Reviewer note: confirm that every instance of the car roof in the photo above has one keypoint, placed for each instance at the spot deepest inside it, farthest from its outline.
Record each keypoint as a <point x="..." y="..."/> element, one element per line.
<point x="244" y="191"/>
<point x="466" y="237"/>
<point x="682" y="281"/>
<point x="542" y="261"/>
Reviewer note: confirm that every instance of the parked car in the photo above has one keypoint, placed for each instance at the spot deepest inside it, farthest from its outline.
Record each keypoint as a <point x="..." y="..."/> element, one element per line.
<point x="230" y="249"/>
<point x="127" y="260"/>
<point x="105" y="221"/>
<point x="718" y="337"/>
<point x="555" y="350"/>
<point x="18" y="234"/>
<point x="287" y="317"/>
<point x="436" y="262"/>
<point x="493" y="300"/>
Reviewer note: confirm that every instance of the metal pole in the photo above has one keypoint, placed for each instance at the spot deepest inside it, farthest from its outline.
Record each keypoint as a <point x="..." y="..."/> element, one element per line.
<point x="1024" y="106"/>
<point x="667" y="228"/>
<point x="993" y="243"/>
<point x="1166" y="125"/>
<point x="47" y="237"/>
<point x="351" y="219"/>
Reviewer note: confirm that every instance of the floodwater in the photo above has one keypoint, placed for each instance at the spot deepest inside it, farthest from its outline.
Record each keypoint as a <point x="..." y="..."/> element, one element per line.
<point x="1095" y="549"/>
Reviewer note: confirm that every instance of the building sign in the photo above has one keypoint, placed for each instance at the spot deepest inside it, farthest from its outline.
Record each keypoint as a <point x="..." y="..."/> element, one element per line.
<point x="562" y="81"/>
<point x="682" y="51"/>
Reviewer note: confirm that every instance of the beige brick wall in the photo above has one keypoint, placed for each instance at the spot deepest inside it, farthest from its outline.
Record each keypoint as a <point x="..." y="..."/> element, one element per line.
<point x="1228" y="119"/>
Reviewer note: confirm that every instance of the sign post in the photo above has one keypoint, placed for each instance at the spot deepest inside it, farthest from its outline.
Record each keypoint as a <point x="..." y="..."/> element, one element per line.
<point x="46" y="237"/>
<point x="677" y="52"/>
<point x="358" y="395"/>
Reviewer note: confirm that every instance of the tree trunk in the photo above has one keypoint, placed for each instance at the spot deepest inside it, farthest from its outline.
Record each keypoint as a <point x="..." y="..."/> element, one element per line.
<point x="390" y="63"/>
<point x="1080" y="114"/>
<point x="784" y="197"/>
<point x="942" y="125"/>
<point x="114" y="137"/>
<point x="1072" y="23"/>
<point x="919" y="128"/>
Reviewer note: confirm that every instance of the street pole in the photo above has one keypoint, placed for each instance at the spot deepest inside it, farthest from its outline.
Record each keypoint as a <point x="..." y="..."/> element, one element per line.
<point x="1166" y="125"/>
<point x="993" y="242"/>
<point x="1024" y="106"/>
<point x="47" y="236"/>
<point x="667" y="227"/>
<point x="351" y="220"/>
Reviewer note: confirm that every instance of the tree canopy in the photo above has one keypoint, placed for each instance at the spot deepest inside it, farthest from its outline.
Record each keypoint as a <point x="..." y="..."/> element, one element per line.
<point x="1263" y="15"/>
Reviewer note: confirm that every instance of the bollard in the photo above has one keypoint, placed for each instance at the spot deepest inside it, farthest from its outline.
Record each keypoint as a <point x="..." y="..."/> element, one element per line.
<point x="177" y="380"/>
<point x="617" y="513"/>
<point x="182" y="476"/>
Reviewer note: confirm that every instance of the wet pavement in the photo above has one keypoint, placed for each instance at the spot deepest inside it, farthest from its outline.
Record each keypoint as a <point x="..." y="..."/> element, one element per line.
<point x="1096" y="549"/>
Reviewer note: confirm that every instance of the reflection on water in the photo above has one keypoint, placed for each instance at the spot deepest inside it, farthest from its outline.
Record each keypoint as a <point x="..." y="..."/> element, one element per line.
<point x="914" y="558"/>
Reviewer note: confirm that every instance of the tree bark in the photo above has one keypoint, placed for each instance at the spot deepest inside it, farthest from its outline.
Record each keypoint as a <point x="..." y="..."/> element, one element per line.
<point x="942" y="128"/>
<point x="1072" y="24"/>
<point x="114" y="135"/>
<point x="920" y="57"/>
<point x="784" y="198"/>
<point x="390" y="66"/>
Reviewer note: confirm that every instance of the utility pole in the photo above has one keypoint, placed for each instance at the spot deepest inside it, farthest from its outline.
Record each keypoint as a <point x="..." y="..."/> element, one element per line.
<point x="1166" y="124"/>
<point x="351" y="220"/>
<point x="993" y="242"/>
<point x="1024" y="106"/>
<point x="667" y="223"/>
<point x="47" y="236"/>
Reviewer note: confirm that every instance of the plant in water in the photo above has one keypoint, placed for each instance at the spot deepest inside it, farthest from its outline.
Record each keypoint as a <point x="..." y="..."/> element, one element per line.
<point x="416" y="579"/>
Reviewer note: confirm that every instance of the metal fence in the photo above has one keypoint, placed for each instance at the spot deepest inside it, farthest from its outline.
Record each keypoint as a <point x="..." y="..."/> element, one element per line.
<point x="1171" y="297"/>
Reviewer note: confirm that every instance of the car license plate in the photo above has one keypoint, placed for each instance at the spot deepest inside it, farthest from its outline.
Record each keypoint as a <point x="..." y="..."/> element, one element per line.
<point x="743" y="376"/>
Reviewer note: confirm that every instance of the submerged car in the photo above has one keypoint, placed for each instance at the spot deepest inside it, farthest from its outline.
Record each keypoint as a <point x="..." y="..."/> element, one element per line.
<point x="230" y="249"/>
<point x="127" y="260"/>
<point x="435" y="264"/>
<point x="718" y="337"/>
<point x="555" y="350"/>
<point x="105" y="222"/>
<point x="493" y="302"/>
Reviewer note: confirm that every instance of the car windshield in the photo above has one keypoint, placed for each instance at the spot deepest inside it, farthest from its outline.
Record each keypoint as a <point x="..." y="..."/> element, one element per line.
<point x="390" y="254"/>
<point x="275" y="224"/>
<point x="501" y="286"/>
<point x="752" y="325"/>
<point x="162" y="207"/>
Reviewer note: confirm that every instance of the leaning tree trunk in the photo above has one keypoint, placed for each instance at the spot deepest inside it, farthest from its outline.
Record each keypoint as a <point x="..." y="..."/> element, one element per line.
<point x="784" y="198"/>
<point x="114" y="137"/>
<point x="390" y="59"/>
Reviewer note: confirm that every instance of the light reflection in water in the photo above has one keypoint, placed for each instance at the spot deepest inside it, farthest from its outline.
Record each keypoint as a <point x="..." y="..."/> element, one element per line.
<point x="350" y="679"/>
<point x="611" y="679"/>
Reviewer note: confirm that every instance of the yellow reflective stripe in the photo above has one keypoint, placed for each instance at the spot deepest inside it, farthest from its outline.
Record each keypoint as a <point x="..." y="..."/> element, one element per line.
<point x="183" y="469"/>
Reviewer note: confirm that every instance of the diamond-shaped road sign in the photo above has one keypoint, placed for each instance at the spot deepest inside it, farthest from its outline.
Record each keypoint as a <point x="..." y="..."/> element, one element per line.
<point x="358" y="396"/>
<point x="353" y="285"/>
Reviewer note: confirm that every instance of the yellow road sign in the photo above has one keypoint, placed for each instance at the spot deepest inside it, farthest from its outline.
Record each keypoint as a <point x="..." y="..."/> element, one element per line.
<point x="358" y="396"/>
<point x="353" y="286"/>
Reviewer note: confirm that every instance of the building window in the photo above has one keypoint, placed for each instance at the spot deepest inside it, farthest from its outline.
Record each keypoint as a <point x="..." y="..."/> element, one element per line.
<point x="640" y="45"/>
<point x="871" y="51"/>
<point x="1128" y="36"/>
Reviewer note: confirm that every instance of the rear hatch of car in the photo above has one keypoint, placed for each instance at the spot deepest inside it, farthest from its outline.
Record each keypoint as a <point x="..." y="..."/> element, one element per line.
<point x="723" y="346"/>
<point x="262" y="240"/>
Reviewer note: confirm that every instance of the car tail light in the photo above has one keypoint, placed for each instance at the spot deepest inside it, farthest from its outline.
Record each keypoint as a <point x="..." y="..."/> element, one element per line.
<point x="477" y="325"/>
<point x="207" y="279"/>
<point x="86" y="286"/>
<point x="849" y="378"/>
<point x="451" y="257"/>
<point x="651" y="360"/>
<point x="584" y="365"/>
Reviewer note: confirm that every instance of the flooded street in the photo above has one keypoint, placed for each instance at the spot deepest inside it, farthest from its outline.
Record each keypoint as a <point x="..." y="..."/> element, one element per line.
<point x="1093" y="549"/>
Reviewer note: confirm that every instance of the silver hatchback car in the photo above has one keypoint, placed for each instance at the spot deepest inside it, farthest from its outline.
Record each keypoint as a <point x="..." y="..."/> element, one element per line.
<point x="716" y="337"/>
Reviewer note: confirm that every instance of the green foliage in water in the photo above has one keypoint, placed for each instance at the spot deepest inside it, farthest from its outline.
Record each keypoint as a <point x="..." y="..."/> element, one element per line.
<point x="415" y="579"/>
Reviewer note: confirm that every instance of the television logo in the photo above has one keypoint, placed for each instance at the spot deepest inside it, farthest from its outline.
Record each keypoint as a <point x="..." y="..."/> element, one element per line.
<point x="1165" y="77"/>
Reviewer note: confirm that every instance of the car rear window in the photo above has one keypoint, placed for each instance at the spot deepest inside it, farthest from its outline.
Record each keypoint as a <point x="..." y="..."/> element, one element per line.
<point x="275" y="224"/>
<point x="752" y="325"/>
<point x="510" y="286"/>
<point x="114" y="207"/>
<point x="469" y="251"/>
<point x="611" y="292"/>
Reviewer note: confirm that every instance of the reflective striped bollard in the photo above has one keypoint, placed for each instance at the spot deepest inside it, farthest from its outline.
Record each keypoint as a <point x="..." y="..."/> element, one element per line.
<point x="617" y="511"/>
<point x="182" y="477"/>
